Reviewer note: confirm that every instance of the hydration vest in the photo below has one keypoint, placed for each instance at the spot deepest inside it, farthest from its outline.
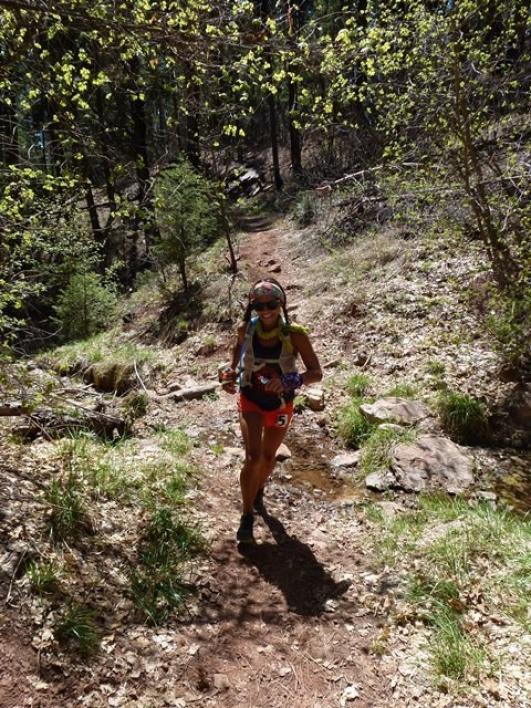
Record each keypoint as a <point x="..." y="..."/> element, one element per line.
<point x="250" y="364"/>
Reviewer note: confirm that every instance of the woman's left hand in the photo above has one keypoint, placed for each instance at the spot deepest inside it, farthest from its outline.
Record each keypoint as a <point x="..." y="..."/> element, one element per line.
<point x="274" y="386"/>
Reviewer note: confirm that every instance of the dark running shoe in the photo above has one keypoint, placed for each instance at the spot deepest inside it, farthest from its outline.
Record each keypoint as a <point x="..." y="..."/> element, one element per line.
<point x="245" y="532"/>
<point x="259" y="500"/>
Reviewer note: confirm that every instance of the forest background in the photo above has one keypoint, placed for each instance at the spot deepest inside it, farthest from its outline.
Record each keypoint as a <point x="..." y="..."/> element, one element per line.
<point x="123" y="124"/>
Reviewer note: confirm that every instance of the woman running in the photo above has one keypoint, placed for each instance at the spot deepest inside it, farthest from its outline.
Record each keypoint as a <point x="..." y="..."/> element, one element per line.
<point x="264" y="365"/>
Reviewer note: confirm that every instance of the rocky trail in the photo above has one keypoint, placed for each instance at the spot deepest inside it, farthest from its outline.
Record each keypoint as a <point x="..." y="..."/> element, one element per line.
<point x="302" y="617"/>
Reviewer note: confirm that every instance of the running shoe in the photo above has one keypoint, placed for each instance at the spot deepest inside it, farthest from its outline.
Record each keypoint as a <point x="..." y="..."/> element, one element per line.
<point x="245" y="532"/>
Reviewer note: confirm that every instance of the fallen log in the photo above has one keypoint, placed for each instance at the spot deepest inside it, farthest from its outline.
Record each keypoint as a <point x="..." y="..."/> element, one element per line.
<point x="187" y="394"/>
<point x="52" y="424"/>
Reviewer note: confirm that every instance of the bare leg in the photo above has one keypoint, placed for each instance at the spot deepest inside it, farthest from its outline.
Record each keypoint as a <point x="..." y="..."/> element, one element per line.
<point x="271" y="441"/>
<point x="251" y="425"/>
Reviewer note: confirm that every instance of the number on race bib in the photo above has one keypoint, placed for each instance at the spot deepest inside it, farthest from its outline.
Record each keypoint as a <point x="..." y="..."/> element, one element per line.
<point x="282" y="420"/>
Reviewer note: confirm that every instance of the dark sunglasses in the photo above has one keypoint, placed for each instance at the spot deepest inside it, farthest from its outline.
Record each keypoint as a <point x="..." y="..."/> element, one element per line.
<point x="269" y="305"/>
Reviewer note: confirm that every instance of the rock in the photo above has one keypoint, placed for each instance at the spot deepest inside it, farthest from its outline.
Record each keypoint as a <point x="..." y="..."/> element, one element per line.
<point x="275" y="268"/>
<point x="431" y="535"/>
<point x="221" y="682"/>
<point x="315" y="399"/>
<point x="394" y="410"/>
<point x="431" y="463"/>
<point x="380" y="481"/>
<point x="283" y="453"/>
<point x="347" y="459"/>
<point x="110" y="376"/>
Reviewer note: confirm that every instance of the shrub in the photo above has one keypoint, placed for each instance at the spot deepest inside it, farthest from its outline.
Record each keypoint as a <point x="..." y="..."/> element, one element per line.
<point x="304" y="211"/>
<point x="463" y="417"/>
<point x="510" y="323"/>
<point x="188" y="214"/>
<point x="85" y="306"/>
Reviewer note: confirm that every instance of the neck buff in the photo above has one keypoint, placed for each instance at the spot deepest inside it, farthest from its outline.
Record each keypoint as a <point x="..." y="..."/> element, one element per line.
<point x="270" y="289"/>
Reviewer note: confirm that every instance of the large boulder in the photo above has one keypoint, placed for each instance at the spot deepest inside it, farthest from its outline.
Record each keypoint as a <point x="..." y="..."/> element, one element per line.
<point x="110" y="376"/>
<point x="432" y="462"/>
<point x="402" y="411"/>
<point x="429" y="463"/>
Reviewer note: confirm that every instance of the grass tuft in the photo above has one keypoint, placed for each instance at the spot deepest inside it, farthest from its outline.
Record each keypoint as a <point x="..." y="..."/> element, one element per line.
<point x="352" y="426"/>
<point x="463" y="417"/>
<point x="68" y="517"/>
<point x="377" y="448"/>
<point x="167" y="546"/>
<point x="44" y="576"/>
<point x="78" y="630"/>
<point x="358" y="385"/>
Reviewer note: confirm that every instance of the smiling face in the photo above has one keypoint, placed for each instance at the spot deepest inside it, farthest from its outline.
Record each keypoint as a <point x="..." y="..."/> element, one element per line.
<point x="268" y="317"/>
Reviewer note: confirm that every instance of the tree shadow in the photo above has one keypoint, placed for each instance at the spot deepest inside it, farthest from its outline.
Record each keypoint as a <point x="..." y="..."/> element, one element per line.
<point x="292" y="567"/>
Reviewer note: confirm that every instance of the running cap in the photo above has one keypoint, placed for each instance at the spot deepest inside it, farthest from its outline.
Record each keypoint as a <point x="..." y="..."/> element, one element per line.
<point x="264" y="287"/>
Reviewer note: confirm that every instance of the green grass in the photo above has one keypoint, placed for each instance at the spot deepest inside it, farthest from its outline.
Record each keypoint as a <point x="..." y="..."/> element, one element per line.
<point x="157" y="582"/>
<point x="463" y="417"/>
<point x="68" y="515"/>
<point x="174" y="441"/>
<point x="44" y="576"/>
<point x="377" y="448"/>
<point x="78" y="630"/>
<point x="105" y="346"/>
<point x="454" y="653"/>
<point x="357" y="385"/>
<point x="352" y="426"/>
<point x="402" y="390"/>
<point x="434" y="367"/>
<point x="487" y="557"/>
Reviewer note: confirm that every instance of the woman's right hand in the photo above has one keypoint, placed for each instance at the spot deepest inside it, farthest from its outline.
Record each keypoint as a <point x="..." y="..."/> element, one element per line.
<point x="227" y="378"/>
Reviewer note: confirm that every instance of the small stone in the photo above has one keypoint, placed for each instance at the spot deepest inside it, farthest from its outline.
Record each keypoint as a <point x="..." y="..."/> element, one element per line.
<point x="347" y="459"/>
<point x="315" y="399"/>
<point x="221" y="682"/>
<point x="379" y="481"/>
<point x="283" y="453"/>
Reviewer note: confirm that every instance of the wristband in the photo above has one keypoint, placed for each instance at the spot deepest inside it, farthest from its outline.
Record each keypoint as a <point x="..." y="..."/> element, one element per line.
<point x="292" y="381"/>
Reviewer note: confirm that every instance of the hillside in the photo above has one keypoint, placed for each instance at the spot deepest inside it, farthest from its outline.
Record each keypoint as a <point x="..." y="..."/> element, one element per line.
<point x="350" y="596"/>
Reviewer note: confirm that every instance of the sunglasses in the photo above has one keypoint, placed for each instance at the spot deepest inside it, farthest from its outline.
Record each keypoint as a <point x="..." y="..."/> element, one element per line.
<point x="269" y="305"/>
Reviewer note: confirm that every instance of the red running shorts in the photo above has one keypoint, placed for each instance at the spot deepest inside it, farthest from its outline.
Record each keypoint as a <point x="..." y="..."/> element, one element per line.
<point x="277" y="418"/>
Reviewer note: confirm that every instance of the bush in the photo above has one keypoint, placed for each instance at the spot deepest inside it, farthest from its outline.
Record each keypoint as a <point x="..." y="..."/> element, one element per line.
<point x="463" y="417"/>
<point x="304" y="211"/>
<point x="86" y="306"/>
<point x="188" y="214"/>
<point x="510" y="323"/>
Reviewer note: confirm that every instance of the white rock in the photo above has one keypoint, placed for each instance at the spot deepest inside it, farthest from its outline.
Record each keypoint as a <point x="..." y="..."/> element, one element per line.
<point x="347" y="459"/>
<point x="315" y="399"/>
<point x="283" y="453"/>
<point x="395" y="410"/>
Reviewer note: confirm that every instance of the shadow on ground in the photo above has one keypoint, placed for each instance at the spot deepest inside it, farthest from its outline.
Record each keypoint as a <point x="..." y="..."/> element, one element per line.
<point x="291" y="566"/>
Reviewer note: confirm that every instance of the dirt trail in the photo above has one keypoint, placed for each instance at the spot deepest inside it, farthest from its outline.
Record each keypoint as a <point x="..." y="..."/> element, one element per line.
<point x="283" y="623"/>
<point x="287" y="622"/>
